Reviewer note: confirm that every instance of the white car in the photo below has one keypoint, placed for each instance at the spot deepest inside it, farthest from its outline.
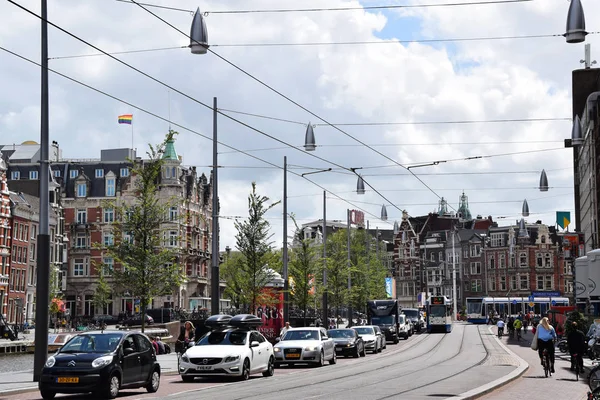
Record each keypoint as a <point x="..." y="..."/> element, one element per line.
<point x="404" y="326"/>
<point x="228" y="351"/>
<point x="305" y="346"/>
<point x="372" y="336"/>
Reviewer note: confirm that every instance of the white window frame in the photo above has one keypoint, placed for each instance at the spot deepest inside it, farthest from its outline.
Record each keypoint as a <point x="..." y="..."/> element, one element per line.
<point x="79" y="268"/>
<point x="111" y="187"/>
<point x="109" y="215"/>
<point x="124" y="172"/>
<point x="81" y="189"/>
<point x="81" y="216"/>
<point x="108" y="239"/>
<point x="15" y="175"/>
<point x="73" y="174"/>
<point x="108" y="266"/>
<point x="99" y="173"/>
<point x="33" y="175"/>
<point x="474" y="268"/>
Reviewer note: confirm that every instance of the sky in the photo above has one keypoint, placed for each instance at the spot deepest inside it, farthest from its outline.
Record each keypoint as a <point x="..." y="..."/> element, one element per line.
<point x="382" y="82"/>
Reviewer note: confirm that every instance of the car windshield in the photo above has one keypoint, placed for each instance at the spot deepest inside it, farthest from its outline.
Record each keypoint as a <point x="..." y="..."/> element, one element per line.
<point x="411" y="313"/>
<point x="301" y="335"/>
<point x="386" y="320"/>
<point x="364" y="331"/>
<point x="92" y="343"/>
<point x="227" y="338"/>
<point x="401" y="319"/>
<point x="437" y="311"/>
<point x="341" y="333"/>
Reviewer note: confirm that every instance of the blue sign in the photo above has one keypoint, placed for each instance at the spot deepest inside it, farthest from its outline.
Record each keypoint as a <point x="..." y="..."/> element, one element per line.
<point x="545" y="294"/>
<point x="531" y="298"/>
<point x="553" y="302"/>
<point x="388" y="287"/>
<point x="514" y="302"/>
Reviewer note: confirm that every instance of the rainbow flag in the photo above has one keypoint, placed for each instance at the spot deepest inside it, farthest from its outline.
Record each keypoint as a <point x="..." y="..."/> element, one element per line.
<point x="126" y="119"/>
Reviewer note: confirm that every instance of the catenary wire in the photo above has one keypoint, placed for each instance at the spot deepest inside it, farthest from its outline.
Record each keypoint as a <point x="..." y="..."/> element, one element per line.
<point x="322" y="9"/>
<point x="293" y="102"/>
<point x="182" y="127"/>
<point x="351" y="170"/>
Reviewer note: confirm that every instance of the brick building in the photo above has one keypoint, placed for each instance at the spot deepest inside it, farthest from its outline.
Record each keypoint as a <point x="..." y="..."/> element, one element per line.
<point x="5" y="237"/>
<point x="22" y="216"/>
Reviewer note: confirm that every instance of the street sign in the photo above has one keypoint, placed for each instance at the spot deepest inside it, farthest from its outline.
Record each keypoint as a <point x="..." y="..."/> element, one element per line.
<point x="553" y="302"/>
<point x="531" y="304"/>
<point x="514" y="302"/>
<point x="531" y="298"/>
<point x="545" y="294"/>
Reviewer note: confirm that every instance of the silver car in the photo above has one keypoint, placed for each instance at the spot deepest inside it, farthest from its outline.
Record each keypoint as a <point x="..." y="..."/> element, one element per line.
<point x="305" y="346"/>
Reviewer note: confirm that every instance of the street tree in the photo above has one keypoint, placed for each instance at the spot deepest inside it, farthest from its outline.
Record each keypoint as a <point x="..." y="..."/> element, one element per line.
<point x="102" y="294"/>
<point x="337" y="270"/>
<point x="148" y="269"/>
<point x="303" y="268"/>
<point x="253" y="241"/>
<point x="233" y="274"/>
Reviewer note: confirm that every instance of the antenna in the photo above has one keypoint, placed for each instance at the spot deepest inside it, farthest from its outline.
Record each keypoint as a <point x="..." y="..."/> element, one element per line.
<point x="588" y="57"/>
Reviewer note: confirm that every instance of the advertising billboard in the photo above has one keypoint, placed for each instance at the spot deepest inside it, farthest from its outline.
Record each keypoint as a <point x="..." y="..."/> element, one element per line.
<point x="270" y="310"/>
<point x="390" y="288"/>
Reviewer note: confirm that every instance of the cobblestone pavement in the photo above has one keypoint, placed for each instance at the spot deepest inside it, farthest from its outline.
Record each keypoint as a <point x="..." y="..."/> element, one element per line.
<point x="533" y="385"/>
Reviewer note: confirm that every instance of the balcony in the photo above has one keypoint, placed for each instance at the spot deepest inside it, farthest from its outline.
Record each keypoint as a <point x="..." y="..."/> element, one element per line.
<point x="80" y="250"/>
<point x="79" y="227"/>
<point x="194" y="278"/>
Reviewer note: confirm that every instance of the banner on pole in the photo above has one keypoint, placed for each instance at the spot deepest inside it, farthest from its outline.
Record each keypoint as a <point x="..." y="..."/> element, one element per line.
<point x="563" y="218"/>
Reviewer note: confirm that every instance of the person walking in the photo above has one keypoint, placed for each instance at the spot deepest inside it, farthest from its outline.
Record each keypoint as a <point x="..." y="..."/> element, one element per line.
<point x="284" y="330"/>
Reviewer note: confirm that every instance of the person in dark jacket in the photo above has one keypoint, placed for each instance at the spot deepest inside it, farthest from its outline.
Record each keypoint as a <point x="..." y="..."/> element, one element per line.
<point x="577" y="345"/>
<point x="186" y="335"/>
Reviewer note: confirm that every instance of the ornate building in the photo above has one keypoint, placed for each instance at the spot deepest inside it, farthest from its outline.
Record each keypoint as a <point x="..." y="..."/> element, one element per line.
<point x="5" y="237"/>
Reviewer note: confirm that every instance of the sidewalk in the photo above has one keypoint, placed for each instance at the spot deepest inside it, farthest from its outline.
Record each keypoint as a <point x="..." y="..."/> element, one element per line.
<point x="533" y="385"/>
<point x="22" y="381"/>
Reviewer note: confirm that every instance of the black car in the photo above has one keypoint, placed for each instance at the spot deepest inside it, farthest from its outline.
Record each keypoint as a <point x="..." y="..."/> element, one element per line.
<point x="347" y="342"/>
<point x="101" y="363"/>
<point x="136" y="320"/>
<point x="105" y="319"/>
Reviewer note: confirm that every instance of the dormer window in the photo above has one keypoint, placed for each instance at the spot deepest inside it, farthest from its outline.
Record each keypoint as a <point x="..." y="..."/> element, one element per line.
<point x="99" y="173"/>
<point x="15" y="175"/>
<point x="81" y="189"/>
<point x="124" y="172"/>
<point x="110" y="184"/>
<point x="33" y="175"/>
<point x="73" y="174"/>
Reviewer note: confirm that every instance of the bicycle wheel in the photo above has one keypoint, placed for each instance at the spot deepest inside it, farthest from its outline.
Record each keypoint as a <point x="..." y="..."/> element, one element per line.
<point x="546" y="364"/>
<point x="576" y="361"/>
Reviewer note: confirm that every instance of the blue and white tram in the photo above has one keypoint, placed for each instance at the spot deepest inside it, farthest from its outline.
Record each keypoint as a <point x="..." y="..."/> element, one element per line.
<point x="480" y="308"/>
<point x="439" y="314"/>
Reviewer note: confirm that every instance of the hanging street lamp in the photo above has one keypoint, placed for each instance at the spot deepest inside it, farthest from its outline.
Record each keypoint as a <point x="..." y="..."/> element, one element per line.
<point x="309" y="140"/>
<point x="198" y="34"/>
<point x="575" y="23"/>
<point x="360" y="185"/>
<point x="543" y="182"/>
<point x="525" y="211"/>
<point x="384" y="216"/>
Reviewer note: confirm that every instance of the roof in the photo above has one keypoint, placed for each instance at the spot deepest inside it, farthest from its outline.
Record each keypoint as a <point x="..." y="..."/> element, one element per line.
<point x="170" y="153"/>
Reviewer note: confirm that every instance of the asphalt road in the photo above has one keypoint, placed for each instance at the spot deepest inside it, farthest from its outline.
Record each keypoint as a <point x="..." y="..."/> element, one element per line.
<point x="422" y="367"/>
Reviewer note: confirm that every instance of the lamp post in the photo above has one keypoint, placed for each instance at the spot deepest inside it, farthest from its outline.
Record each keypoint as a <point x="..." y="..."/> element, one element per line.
<point x="325" y="299"/>
<point x="455" y="294"/>
<point x="286" y="279"/>
<point x="199" y="45"/>
<point x="348" y="217"/>
<point x="43" y="239"/>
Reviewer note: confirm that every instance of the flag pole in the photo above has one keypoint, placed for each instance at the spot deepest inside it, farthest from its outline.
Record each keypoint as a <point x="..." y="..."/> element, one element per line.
<point x="131" y="133"/>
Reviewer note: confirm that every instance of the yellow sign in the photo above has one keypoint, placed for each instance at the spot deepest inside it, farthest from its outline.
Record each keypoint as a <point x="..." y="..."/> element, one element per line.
<point x="531" y="304"/>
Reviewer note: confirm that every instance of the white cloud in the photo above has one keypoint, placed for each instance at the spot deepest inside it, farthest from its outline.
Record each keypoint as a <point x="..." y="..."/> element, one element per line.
<point x="362" y="83"/>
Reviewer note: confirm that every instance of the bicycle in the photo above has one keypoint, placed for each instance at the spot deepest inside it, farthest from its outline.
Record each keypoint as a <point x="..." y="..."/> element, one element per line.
<point x="518" y="335"/>
<point x="575" y="361"/>
<point x="546" y="363"/>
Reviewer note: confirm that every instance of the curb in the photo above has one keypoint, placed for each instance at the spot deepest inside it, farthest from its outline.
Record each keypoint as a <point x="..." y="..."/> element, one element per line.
<point x="489" y="387"/>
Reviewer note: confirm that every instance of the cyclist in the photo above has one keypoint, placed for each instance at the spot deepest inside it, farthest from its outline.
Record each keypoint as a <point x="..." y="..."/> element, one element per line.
<point x="546" y="335"/>
<point x="500" y="325"/>
<point x="577" y="345"/>
<point x="518" y="325"/>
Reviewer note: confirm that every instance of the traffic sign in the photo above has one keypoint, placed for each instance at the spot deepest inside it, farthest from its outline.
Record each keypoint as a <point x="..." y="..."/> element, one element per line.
<point x="514" y="302"/>
<point x="531" y="304"/>
<point x="553" y="302"/>
<point x="531" y="298"/>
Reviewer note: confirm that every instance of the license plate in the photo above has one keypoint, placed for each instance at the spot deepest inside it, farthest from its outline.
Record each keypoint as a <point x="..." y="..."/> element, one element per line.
<point x="293" y="355"/>
<point x="204" y="367"/>
<point x="67" y="380"/>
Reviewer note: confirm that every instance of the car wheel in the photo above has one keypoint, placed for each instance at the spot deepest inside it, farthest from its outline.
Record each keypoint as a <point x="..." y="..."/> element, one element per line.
<point x="270" y="368"/>
<point x="378" y="350"/>
<point x="246" y="370"/>
<point x="333" y="359"/>
<point x="187" y="379"/>
<point x="114" y="384"/>
<point x="363" y="353"/>
<point x="47" y="394"/>
<point x="396" y="340"/>
<point x="357" y="352"/>
<point x="321" y="361"/>
<point x="154" y="383"/>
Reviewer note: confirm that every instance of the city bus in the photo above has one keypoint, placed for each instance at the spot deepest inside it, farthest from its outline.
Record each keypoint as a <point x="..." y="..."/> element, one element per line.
<point x="439" y="314"/>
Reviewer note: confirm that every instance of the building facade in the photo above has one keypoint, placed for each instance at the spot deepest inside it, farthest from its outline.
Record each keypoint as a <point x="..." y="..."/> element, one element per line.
<point x="5" y="237"/>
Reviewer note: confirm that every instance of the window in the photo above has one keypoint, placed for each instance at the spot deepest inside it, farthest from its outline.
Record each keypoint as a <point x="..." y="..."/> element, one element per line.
<point x="173" y="239"/>
<point x="522" y="259"/>
<point x="568" y="268"/>
<point x="476" y="285"/>
<point x="502" y="283"/>
<point x="173" y="214"/>
<point x="32" y="252"/>
<point x="492" y="262"/>
<point x="440" y="256"/>
<point x="33" y="231"/>
<point x="108" y="266"/>
<point x="33" y="175"/>
<point x="73" y="173"/>
<point x="524" y="279"/>
<point x="82" y="216"/>
<point x="502" y="261"/>
<point x="466" y="252"/>
<point x="539" y="260"/>
<point x="109" y="215"/>
<point x="108" y="239"/>
<point x="15" y="175"/>
<point x="475" y="250"/>
<point x="513" y="282"/>
<point x="127" y="237"/>
<point x="475" y="268"/>
<point x="492" y="284"/>
<point x="81" y="241"/>
<point x="543" y="239"/>
<point x="99" y="173"/>
<point x="548" y="259"/>
<point x="79" y="267"/>
<point x="57" y="173"/>
<point x="110" y="187"/>
<point x="432" y="257"/>
<point x="82" y="189"/>
<point x="497" y="240"/>
<point x="549" y="282"/>
<point x="124" y="172"/>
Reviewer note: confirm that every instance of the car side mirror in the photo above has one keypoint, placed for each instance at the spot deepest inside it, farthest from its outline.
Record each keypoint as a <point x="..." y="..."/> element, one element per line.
<point x="128" y="350"/>
<point x="359" y="337"/>
<point x="254" y="344"/>
<point x="277" y="340"/>
<point x="324" y="338"/>
<point x="190" y="344"/>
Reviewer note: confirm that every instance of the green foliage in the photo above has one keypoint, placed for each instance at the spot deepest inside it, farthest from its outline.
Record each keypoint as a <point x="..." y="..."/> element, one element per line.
<point x="102" y="295"/>
<point x="232" y="274"/>
<point x="148" y="268"/>
<point x="302" y="269"/>
<point x="253" y="241"/>
<point x="580" y="319"/>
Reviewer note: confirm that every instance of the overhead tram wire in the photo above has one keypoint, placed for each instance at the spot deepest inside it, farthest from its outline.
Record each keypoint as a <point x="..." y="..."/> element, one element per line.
<point x="353" y="170"/>
<point x="185" y="128"/>
<point x="324" y="9"/>
<point x="298" y="105"/>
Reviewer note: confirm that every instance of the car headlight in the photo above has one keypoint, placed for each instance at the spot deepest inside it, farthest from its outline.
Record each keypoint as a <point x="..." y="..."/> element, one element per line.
<point x="185" y="358"/>
<point x="50" y="362"/>
<point x="102" y="361"/>
<point x="276" y="349"/>
<point x="231" y="359"/>
<point x="311" y="348"/>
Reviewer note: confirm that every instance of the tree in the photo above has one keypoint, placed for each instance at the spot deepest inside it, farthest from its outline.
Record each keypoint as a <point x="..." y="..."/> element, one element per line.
<point x="148" y="269"/>
<point x="253" y="241"/>
<point x="337" y="269"/>
<point x="234" y="276"/>
<point x="103" y="293"/>
<point x="302" y="270"/>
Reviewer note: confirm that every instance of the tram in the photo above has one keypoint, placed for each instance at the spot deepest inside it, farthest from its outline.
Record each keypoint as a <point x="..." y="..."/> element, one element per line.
<point x="479" y="308"/>
<point x="439" y="314"/>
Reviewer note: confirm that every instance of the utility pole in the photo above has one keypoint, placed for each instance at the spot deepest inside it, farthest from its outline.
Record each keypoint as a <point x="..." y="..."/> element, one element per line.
<point x="454" y="295"/>
<point x="286" y="295"/>
<point x="349" y="274"/>
<point x="215" y="290"/>
<point x="325" y="304"/>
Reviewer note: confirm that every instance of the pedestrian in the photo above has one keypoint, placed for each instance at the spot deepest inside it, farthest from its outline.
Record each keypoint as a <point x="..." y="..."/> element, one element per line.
<point x="155" y="345"/>
<point x="284" y="330"/>
<point x="161" y="345"/>
<point x="186" y="335"/>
